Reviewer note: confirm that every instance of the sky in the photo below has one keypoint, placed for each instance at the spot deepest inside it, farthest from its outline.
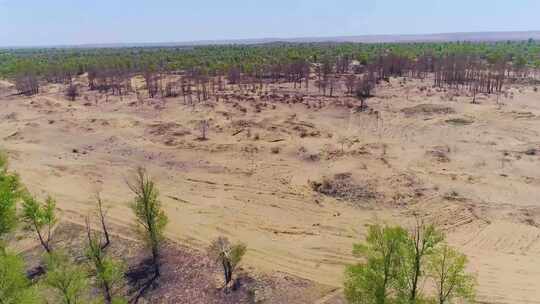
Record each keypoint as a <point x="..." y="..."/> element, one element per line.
<point x="73" y="22"/>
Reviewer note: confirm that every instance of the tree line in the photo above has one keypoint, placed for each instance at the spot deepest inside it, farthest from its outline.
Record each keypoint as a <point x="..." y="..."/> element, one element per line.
<point x="109" y="69"/>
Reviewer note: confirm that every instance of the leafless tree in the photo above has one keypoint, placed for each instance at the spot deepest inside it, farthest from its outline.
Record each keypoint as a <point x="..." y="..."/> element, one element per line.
<point x="203" y="128"/>
<point x="103" y="220"/>
<point x="234" y="75"/>
<point x="72" y="91"/>
<point x="27" y="84"/>
<point x="151" y="80"/>
<point x="350" y="83"/>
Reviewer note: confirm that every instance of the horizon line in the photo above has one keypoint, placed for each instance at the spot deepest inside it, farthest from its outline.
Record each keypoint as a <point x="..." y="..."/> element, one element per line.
<point x="365" y="38"/>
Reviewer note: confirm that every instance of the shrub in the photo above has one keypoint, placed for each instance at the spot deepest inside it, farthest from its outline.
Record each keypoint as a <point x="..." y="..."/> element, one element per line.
<point x="229" y="256"/>
<point x="275" y="150"/>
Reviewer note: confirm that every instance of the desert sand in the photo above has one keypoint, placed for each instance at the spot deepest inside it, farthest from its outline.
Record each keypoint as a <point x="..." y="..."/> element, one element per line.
<point x="474" y="169"/>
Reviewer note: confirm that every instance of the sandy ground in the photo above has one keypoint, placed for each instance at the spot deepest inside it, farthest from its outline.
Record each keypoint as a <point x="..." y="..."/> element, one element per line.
<point x="472" y="168"/>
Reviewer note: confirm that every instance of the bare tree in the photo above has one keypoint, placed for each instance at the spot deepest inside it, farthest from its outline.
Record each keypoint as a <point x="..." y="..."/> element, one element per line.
<point x="102" y="218"/>
<point x="350" y="83"/>
<point x="364" y="86"/>
<point x="72" y="92"/>
<point x="27" y="84"/>
<point x="234" y="75"/>
<point x="203" y="128"/>
<point x="171" y="89"/>
<point x="151" y="80"/>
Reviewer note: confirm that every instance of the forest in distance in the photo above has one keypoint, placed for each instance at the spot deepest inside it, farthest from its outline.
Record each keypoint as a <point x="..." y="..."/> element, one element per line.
<point x="481" y="67"/>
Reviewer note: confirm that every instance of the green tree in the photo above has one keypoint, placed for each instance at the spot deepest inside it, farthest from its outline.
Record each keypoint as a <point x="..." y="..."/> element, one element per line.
<point x="109" y="273"/>
<point x="68" y="281"/>
<point x="151" y="219"/>
<point x="40" y="217"/>
<point x="447" y="268"/>
<point x="376" y="279"/>
<point x="229" y="256"/>
<point x="15" y="288"/>
<point x="421" y="243"/>
<point x="10" y="191"/>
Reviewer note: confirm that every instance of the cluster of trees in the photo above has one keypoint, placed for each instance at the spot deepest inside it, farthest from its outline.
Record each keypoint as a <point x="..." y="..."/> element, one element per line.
<point x="114" y="79"/>
<point x="65" y="281"/>
<point x="397" y="263"/>
<point x="480" y="66"/>
<point x="27" y="84"/>
<point x="471" y="73"/>
<point x="332" y="73"/>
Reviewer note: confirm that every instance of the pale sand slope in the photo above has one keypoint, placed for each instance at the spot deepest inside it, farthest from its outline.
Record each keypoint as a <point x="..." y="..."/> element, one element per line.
<point x="486" y="194"/>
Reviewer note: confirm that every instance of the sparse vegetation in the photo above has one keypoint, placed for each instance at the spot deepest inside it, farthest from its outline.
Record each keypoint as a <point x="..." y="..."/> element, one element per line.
<point x="253" y="86"/>
<point x="69" y="281"/>
<point x="343" y="186"/>
<point x="428" y="109"/>
<point x="473" y="67"/>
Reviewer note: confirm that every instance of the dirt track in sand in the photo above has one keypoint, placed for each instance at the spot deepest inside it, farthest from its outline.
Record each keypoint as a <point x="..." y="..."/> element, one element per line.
<point x="473" y="168"/>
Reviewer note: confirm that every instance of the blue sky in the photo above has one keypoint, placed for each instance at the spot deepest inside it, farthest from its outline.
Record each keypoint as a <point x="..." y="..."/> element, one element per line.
<point x="52" y="22"/>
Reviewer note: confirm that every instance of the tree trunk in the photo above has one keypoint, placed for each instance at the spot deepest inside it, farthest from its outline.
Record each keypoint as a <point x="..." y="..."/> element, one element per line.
<point x="227" y="271"/>
<point x="41" y="240"/>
